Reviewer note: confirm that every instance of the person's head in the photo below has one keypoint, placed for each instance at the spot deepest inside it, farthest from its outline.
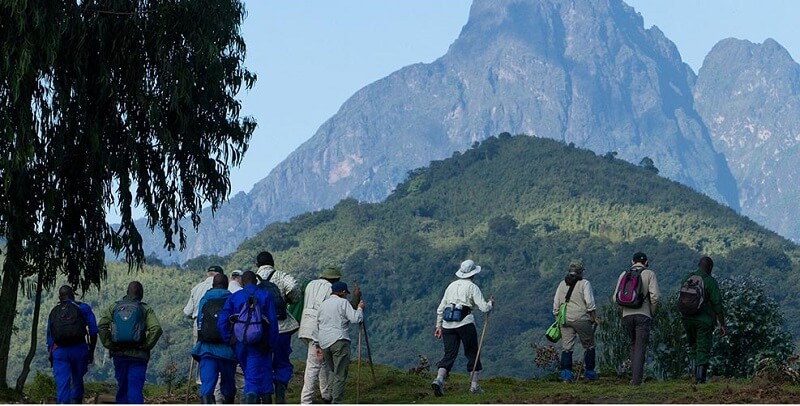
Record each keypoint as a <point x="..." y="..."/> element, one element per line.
<point x="264" y="258"/>
<point x="236" y="276"/>
<point x="66" y="293"/>
<point x="213" y="270"/>
<point x="468" y="269"/>
<point x="331" y="273"/>
<point x="135" y="290"/>
<point x="640" y="258"/>
<point x="249" y="278"/>
<point x="706" y="264"/>
<point x="339" y="289"/>
<point x="575" y="273"/>
<point x="220" y="281"/>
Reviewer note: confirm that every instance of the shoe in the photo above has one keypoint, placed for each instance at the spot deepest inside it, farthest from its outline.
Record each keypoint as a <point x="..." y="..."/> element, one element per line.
<point x="327" y="401"/>
<point x="565" y="376"/>
<point x="280" y="393"/>
<point x="590" y="375"/>
<point x="476" y="390"/>
<point x="438" y="387"/>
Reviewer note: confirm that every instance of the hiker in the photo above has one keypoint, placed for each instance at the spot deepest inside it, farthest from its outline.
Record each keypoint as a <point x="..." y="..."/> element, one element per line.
<point x="316" y="292"/>
<point x="216" y="360"/>
<point x="637" y="314"/>
<point x="235" y="282"/>
<point x="581" y="320"/>
<point x="252" y="340"/>
<point x="190" y="310"/>
<point x="700" y="326"/>
<point x="70" y="355"/>
<point x="334" y="319"/>
<point x="289" y="291"/>
<point x="130" y="330"/>
<point x="456" y="324"/>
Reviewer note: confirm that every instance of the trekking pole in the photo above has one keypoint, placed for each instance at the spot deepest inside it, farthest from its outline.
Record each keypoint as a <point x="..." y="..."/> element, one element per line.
<point x="189" y="379"/>
<point x="480" y="346"/>
<point x="369" y="351"/>
<point x="358" y="371"/>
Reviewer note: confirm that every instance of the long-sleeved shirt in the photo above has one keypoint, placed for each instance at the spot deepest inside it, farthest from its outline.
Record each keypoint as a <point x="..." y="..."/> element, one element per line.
<point x="316" y="292"/>
<point x="215" y="350"/>
<point x="152" y="333"/>
<point x="290" y="290"/>
<point x="334" y="318"/>
<point x="580" y="303"/>
<point x="88" y="316"/>
<point x="712" y="304"/>
<point x="461" y="292"/>
<point x="190" y="310"/>
<point x="650" y="287"/>
<point x="234" y="304"/>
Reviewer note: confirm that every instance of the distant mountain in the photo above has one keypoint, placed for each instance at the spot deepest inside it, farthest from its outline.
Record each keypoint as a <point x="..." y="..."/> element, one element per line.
<point x="749" y="97"/>
<point x="522" y="208"/>
<point x="582" y="72"/>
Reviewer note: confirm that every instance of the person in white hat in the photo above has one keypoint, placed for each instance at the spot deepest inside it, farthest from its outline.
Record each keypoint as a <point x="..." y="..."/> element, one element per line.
<point x="456" y="325"/>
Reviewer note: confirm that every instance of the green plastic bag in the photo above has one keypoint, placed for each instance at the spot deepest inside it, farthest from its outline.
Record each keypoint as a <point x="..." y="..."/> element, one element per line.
<point x="553" y="332"/>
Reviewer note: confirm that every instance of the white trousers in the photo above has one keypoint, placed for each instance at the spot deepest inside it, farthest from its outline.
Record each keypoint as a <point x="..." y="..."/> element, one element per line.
<point x="316" y="371"/>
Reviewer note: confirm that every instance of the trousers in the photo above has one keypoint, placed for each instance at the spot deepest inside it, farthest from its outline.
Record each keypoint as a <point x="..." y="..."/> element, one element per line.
<point x="637" y="326"/>
<point x="699" y="335"/>
<point x="211" y="369"/>
<point x="453" y="338"/>
<point x="130" y="373"/>
<point x="69" y="367"/>
<point x="337" y="359"/>
<point x="316" y="372"/>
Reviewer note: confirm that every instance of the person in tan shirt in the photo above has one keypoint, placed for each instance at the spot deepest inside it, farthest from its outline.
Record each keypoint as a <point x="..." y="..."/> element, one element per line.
<point x="637" y="321"/>
<point x="581" y="320"/>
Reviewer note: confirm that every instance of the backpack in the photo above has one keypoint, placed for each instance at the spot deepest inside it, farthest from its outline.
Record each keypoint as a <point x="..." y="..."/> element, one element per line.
<point x="208" y="331"/>
<point x="127" y="322"/>
<point x="691" y="295"/>
<point x="249" y="325"/>
<point x="277" y="297"/>
<point x="630" y="292"/>
<point x="67" y="324"/>
<point x="296" y="309"/>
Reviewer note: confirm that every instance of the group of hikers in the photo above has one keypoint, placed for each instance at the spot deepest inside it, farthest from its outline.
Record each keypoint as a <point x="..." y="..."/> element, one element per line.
<point x="243" y="327"/>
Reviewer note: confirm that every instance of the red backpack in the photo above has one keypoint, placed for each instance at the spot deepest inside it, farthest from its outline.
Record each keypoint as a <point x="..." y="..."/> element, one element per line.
<point x="630" y="291"/>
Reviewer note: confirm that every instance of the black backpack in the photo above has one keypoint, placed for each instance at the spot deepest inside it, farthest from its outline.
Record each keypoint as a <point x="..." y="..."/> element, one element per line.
<point x="67" y="324"/>
<point x="277" y="297"/>
<point x="209" y="330"/>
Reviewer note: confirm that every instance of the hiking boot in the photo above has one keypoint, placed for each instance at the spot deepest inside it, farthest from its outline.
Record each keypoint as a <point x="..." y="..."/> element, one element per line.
<point x="700" y="374"/>
<point x="280" y="393"/>
<point x="476" y="390"/>
<point x="327" y="401"/>
<point x="438" y="387"/>
<point x="565" y="376"/>
<point x="590" y="375"/>
<point x="250" y="398"/>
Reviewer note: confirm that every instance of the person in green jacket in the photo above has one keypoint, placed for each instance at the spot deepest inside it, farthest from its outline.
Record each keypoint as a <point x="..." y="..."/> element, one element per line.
<point x="700" y="326"/>
<point x="130" y="340"/>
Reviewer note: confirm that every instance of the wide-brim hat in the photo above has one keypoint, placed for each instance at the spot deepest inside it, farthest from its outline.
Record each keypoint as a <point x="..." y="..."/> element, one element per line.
<point x="468" y="269"/>
<point x="331" y="272"/>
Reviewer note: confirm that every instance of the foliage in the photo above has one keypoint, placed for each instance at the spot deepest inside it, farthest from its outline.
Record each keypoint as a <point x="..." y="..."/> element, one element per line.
<point x="109" y="105"/>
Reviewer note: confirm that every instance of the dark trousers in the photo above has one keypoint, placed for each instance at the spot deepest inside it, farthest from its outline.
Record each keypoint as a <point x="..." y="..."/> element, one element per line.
<point x="281" y="366"/>
<point x="699" y="334"/>
<point x="637" y="326"/>
<point x="130" y="373"/>
<point x="453" y="338"/>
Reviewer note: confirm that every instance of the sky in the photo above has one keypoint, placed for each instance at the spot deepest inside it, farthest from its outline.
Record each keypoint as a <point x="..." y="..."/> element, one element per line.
<point x="312" y="55"/>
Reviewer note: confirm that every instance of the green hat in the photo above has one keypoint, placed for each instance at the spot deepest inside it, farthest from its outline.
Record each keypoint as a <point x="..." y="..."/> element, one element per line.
<point x="331" y="272"/>
<point x="576" y="266"/>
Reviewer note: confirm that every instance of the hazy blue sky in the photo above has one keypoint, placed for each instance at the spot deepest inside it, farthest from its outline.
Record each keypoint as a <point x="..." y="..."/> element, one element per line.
<point x="310" y="56"/>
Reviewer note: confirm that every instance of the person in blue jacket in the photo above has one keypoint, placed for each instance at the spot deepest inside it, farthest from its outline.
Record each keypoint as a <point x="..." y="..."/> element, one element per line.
<point x="216" y="358"/>
<point x="70" y="356"/>
<point x="255" y="358"/>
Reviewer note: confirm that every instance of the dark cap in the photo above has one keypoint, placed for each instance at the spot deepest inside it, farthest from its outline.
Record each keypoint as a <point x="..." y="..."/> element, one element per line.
<point x="215" y="268"/>
<point x="338" y="287"/>
<point x="640" y="257"/>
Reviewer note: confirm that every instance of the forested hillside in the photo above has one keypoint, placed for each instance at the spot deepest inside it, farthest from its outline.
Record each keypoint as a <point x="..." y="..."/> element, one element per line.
<point x="522" y="207"/>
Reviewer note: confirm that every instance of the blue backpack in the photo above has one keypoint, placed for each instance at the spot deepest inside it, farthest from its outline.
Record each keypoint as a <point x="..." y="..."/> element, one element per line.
<point x="249" y="325"/>
<point x="127" y="322"/>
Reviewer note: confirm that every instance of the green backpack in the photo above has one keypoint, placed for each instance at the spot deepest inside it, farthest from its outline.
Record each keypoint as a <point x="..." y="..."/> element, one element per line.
<point x="296" y="309"/>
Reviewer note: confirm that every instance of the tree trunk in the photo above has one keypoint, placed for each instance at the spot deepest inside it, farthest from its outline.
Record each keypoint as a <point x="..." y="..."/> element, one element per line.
<point x="26" y="366"/>
<point x="8" y="303"/>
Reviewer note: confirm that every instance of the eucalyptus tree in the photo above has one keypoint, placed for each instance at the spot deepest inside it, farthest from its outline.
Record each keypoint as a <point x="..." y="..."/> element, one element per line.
<point x="111" y="104"/>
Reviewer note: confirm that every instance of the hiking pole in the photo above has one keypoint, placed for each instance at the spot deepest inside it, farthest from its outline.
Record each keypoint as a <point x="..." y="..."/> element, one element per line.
<point x="189" y="379"/>
<point x="369" y="351"/>
<point x="358" y="371"/>
<point x="480" y="346"/>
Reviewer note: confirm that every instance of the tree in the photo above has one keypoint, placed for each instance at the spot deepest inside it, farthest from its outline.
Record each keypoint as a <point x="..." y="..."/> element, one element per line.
<point x="111" y="104"/>
<point x="648" y="164"/>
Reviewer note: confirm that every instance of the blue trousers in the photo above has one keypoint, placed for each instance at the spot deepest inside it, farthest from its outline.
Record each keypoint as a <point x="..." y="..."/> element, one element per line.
<point x="257" y="368"/>
<point x="130" y="373"/>
<point x="210" y="369"/>
<point x="281" y="366"/>
<point x="69" y="367"/>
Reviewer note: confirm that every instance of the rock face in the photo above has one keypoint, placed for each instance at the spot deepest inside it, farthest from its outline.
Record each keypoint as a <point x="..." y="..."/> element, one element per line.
<point x="749" y="97"/>
<point x="585" y="72"/>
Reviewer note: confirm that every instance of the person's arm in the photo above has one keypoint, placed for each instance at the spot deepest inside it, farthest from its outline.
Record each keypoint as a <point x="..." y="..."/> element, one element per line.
<point x="715" y="297"/>
<point x="354" y="315"/>
<point x="440" y="316"/>
<point x="477" y="298"/>
<point x="557" y="300"/>
<point x="91" y="326"/>
<point x="188" y="310"/>
<point x="224" y="320"/>
<point x="153" y="328"/>
<point x="268" y="311"/>
<point x="104" y="328"/>
<point x="655" y="294"/>
<point x="591" y="305"/>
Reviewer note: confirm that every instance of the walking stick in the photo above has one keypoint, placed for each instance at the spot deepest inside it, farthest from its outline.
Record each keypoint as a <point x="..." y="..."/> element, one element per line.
<point x="189" y="379"/>
<point x="358" y="371"/>
<point x="480" y="346"/>
<point x="369" y="351"/>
